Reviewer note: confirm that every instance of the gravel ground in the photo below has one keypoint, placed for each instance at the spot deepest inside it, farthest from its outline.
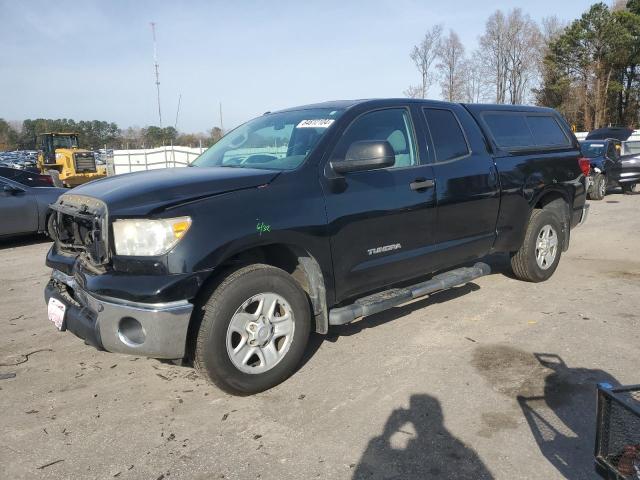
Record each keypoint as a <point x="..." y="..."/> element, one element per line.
<point x="491" y="380"/>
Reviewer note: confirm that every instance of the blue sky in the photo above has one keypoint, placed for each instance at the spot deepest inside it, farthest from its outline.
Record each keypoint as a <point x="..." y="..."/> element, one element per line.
<point x="94" y="59"/>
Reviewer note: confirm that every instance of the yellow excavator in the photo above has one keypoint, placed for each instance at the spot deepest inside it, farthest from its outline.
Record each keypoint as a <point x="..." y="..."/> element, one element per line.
<point x="69" y="165"/>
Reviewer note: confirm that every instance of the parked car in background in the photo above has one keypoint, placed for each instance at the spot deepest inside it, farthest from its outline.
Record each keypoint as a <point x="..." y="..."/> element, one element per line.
<point x="26" y="177"/>
<point x="609" y="168"/>
<point x="24" y="201"/>
<point x="20" y="159"/>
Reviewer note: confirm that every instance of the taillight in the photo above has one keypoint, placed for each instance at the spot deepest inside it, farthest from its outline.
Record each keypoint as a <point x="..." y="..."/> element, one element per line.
<point x="585" y="166"/>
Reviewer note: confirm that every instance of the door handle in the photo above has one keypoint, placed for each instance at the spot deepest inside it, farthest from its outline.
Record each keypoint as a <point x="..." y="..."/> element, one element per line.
<point x="421" y="184"/>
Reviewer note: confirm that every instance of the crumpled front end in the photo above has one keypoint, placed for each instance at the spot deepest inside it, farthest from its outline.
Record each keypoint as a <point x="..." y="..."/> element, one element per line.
<point x="83" y="288"/>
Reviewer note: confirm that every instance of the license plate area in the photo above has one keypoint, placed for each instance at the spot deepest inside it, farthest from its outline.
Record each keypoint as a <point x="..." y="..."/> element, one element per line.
<point x="56" y="311"/>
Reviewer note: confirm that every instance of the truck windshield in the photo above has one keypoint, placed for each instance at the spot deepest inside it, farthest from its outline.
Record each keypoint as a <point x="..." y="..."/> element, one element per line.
<point x="592" y="150"/>
<point x="277" y="141"/>
<point x="65" y="141"/>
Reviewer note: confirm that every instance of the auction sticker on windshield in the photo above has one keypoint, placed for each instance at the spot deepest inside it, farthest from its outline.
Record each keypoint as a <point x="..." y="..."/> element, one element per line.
<point x="56" y="310"/>
<point x="316" y="123"/>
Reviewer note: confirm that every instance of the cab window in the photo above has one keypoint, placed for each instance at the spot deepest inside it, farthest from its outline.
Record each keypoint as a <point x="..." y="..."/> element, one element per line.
<point x="391" y="124"/>
<point x="448" y="138"/>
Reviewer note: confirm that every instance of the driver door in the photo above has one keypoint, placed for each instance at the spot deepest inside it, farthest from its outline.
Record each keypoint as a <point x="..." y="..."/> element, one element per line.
<point x="381" y="220"/>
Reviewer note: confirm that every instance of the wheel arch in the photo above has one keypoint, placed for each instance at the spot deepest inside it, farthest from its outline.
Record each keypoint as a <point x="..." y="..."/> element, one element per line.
<point x="556" y="199"/>
<point x="293" y="259"/>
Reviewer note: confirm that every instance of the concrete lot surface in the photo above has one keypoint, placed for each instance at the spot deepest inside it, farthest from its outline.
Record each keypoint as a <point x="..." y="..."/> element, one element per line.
<point x="491" y="380"/>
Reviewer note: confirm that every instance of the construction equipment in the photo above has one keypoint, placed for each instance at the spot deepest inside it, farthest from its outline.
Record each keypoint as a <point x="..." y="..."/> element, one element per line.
<point x="69" y="165"/>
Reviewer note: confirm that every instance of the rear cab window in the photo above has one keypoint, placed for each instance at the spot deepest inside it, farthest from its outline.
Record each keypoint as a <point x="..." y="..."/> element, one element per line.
<point x="449" y="141"/>
<point x="525" y="130"/>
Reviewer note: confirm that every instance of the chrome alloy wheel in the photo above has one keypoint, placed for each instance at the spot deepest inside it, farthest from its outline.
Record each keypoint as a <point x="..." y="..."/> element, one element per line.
<point x="546" y="247"/>
<point x="260" y="333"/>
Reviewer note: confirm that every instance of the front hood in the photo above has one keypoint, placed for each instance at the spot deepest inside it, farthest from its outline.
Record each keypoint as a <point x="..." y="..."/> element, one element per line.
<point x="141" y="193"/>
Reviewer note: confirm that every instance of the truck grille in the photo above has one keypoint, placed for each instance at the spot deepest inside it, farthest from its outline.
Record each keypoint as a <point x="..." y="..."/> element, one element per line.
<point x="85" y="162"/>
<point x="80" y="228"/>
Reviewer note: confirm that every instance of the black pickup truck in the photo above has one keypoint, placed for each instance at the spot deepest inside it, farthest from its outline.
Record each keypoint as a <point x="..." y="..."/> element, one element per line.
<point x="306" y="218"/>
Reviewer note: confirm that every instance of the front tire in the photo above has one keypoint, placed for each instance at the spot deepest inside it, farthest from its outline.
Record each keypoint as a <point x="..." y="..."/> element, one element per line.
<point x="599" y="187"/>
<point x="254" y="330"/>
<point x="539" y="255"/>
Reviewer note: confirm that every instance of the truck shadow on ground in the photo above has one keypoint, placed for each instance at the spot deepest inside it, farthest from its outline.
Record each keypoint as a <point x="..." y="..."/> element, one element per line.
<point x="415" y="444"/>
<point x="557" y="401"/>
<point x="563" y="419"/>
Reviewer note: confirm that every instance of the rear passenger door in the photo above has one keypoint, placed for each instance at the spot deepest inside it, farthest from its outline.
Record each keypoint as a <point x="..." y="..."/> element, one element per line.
<point x="467" y="189"/>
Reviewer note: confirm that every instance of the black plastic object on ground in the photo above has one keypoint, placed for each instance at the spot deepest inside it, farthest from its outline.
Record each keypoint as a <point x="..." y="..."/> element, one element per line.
<point x="618" y="432"/>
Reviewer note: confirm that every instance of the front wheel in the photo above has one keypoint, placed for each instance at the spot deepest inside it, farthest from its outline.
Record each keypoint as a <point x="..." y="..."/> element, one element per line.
<point x="254" y="330"/>
<point x="539" y="255"/>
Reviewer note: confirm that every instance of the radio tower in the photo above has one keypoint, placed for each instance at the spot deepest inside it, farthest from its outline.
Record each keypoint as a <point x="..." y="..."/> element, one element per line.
<point x="155" y="63"/>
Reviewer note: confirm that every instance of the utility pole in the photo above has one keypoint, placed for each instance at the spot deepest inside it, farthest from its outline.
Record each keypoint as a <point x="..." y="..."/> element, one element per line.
<point x="155" y="63"/>
<point x="177" y="112"/>
<point x="221" y="127"/>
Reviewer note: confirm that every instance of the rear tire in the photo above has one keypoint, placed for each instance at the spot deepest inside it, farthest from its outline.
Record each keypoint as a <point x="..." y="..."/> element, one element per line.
<point x="238" y="347"/>
<point x="539" y="255"/>
<point x="628" y="188"/>
<point x="599" y="188"/>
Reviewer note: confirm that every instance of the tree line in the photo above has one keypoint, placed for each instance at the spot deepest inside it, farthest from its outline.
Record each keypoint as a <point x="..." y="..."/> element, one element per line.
<point x="588" y="69"/>
<point x="97" y="134"/>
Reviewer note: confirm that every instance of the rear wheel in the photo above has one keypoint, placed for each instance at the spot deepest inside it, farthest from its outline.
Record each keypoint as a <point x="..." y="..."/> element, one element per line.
<point x="254" y="330"/>
<point x="539" y="255"/>
<point x="629" y="188"/>
<point x="599" y="187"/>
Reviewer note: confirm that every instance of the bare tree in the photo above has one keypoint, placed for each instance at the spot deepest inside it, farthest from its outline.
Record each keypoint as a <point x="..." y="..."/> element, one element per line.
<point x="423" y="55"/>
<point x="493" y="45"/>
<point x="413" y="91"/>
<point x="474" y="83"/>
<point x="552" y="28"/>
<point x="511" y="51"/>
<point x="451" y="63"/>
<point x="523" y="49"/>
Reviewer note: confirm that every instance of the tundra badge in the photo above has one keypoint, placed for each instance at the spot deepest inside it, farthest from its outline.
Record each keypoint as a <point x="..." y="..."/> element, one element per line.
<point x="386" y="248"/>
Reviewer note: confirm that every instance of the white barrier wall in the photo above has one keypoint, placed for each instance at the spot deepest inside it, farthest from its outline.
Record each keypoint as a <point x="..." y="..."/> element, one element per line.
<point x="126" y="161"/>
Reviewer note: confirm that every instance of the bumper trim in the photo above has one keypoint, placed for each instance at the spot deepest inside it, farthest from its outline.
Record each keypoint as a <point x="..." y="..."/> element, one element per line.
<point x="102" y="321"/>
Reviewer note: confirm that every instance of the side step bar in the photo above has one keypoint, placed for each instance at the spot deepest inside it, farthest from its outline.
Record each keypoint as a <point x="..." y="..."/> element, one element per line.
<point x="391" y="298"/>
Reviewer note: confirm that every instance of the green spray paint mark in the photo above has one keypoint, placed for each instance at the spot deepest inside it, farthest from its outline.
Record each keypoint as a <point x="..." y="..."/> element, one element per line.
<point x="262" y="227"/>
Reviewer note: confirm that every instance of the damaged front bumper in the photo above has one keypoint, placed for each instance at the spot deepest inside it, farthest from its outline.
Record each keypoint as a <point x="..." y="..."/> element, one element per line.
<point x="157" y="330"/>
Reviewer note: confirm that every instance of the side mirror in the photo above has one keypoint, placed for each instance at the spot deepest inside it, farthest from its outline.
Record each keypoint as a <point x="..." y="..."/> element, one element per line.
<point x="366" y="155"/>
